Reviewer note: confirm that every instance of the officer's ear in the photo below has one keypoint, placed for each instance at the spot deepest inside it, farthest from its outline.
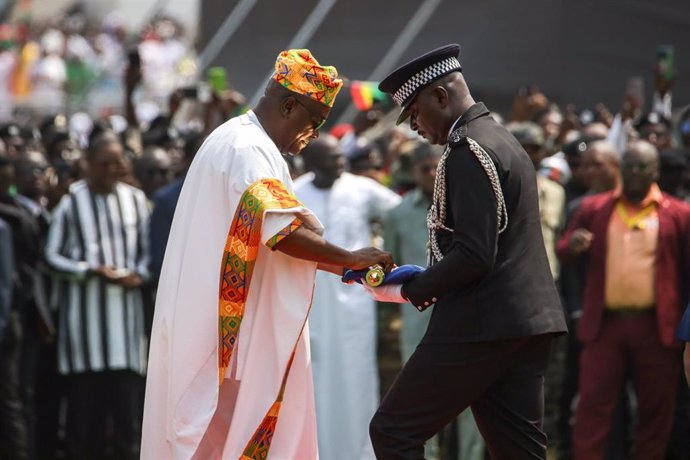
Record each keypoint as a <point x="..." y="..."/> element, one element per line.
<point x="440" y="96"/>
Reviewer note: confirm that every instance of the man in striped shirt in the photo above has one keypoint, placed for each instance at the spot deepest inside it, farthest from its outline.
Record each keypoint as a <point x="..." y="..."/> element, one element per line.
<point x="98" y="247"/>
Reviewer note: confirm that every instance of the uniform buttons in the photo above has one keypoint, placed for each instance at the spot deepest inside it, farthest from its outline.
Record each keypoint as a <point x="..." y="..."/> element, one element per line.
<point x="434" y="299"/>
<point x="426" y="304"/>
<point x="419" y="308"/>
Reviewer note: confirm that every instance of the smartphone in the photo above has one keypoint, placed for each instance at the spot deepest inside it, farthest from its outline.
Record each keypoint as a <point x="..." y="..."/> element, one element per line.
<point x="666" y="54"/>
<point x="190" y="92"/>
<point x="216" y="78"/>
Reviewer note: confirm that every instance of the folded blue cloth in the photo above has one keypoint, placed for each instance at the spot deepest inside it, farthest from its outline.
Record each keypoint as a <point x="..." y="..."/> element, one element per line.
<point x="398" y="275"/>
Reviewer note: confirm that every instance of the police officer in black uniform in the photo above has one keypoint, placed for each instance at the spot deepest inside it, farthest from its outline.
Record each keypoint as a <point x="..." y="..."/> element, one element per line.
<point x="496" y="307"/>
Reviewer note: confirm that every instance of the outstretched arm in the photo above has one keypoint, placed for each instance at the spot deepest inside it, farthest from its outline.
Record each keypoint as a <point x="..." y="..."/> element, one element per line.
<point x="306" y="244"/>
<point x="335" y="269"/>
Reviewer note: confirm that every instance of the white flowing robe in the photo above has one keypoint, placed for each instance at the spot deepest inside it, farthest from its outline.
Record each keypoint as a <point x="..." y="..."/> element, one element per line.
<point x="182" y="391"/>
<point x="343" y="319"/>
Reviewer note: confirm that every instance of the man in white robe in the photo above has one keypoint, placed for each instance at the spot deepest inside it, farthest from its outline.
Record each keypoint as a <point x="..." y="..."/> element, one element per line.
<point x="216" y="390"/>
<point x="342" y="323"/>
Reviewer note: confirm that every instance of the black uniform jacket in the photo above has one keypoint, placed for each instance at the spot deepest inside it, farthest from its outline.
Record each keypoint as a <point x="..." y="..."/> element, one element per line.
<point x="488" y="286"/>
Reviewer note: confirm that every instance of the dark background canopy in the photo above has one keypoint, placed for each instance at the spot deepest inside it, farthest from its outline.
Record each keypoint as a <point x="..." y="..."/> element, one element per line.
<point x="575" y="51"/>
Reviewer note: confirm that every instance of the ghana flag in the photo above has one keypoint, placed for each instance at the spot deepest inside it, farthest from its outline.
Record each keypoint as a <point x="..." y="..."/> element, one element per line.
<point x="365" y="93"/>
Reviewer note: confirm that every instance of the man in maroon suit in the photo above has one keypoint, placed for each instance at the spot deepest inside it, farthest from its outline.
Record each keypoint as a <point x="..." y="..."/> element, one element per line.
<point x="635" y="241"/>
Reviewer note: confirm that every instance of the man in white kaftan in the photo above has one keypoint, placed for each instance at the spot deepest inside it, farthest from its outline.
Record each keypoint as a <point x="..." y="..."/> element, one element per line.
<point x="280" y="284"/>
<point x="215" y="389"/>
<point x="342" y="322"/>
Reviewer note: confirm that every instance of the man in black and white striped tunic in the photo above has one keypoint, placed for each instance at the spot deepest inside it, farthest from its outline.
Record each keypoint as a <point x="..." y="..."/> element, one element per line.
<point x="98" y="247"/>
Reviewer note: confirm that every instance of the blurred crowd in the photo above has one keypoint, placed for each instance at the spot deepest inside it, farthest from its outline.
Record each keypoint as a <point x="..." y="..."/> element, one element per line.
<point x="74" y="64"/>
<point x="88" y="106"/>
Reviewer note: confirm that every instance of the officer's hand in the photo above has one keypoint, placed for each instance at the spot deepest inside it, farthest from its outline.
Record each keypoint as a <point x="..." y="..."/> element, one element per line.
<point x="390" y="293"/>
<point x="368" y="257"/>
<point x="580" y="241"/>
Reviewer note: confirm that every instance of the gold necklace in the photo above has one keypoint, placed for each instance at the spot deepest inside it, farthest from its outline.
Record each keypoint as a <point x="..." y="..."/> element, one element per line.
<point x="636" y="221"/>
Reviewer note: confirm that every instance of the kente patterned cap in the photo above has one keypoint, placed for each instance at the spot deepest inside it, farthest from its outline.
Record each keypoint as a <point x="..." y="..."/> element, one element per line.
<point x="404" y="83"/>
<point x="298" y="71"/>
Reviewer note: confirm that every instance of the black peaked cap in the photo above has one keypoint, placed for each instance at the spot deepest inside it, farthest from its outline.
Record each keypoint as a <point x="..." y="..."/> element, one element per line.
<point x="404" y="83"/>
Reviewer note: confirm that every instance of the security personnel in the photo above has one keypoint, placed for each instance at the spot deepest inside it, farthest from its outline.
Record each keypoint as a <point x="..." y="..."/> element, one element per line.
<point x="496" y="305"/>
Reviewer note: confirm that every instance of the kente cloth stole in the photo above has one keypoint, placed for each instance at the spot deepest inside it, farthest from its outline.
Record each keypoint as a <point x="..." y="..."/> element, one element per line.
<point x="239" y="257"/>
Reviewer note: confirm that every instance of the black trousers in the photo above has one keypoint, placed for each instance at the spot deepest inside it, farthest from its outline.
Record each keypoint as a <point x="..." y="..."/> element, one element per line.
<point x="47" y="395"/>
<point x="13" y="432"/>
<point x="679" y="444"/>
<point x="95" y="399"/>
<point x="501" y="381"/>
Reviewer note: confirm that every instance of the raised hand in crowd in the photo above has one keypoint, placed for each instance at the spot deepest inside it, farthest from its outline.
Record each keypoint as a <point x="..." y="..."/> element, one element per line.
<point x="229" y="101"/>
<point x="603" y="114"/>
<point x="132" y="78"/>
<point x="571" y="122"/>
<point x="663" y="77"/>
<point x="174" y="102"/>
<point x="528" y="102"/>
<point x="632" y="100"/>
<point x="630" y="108"/>
<point x="223" y="104"/>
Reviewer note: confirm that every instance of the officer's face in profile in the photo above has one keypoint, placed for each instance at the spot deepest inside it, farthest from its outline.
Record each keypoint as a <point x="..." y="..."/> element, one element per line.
<point x="429" y="114"/>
